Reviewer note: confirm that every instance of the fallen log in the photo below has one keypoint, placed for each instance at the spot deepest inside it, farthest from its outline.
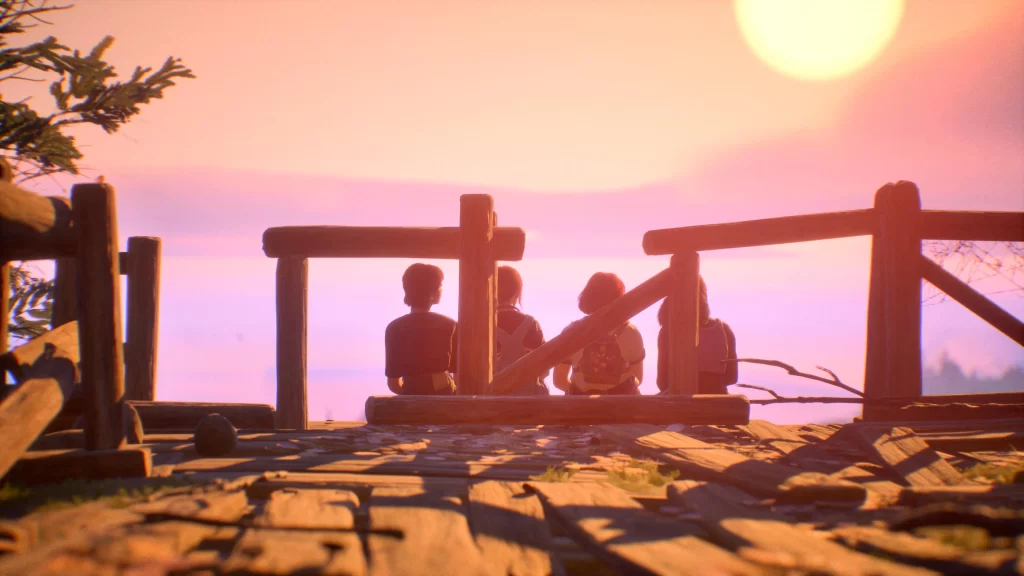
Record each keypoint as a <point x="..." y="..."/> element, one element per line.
<point x="186" y="415"/>
<point x="699" y="409"/>
<point x="58" y="465"/>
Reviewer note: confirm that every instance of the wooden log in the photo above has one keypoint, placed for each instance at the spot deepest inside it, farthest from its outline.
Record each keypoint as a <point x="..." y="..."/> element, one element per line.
<point x="510" y="529"/>
<point x="59" y="465"/>
<point x="99" y="303"/>
<point x="528" y="410"/>
<point x="902" y="451"/>
<point x="383" y="242"/>
<point x="65" y="292"/>
<point x="684" y="328"/>
<point x="476" y="295"/>
<point x="972" y="299"/>
<point x="764" y="232"/>
<point x="54" y="354"/>
<point x="945" y="408"/>
<point x="33" y="227"/>
<point x="893" y="364"/>
<point x="292" y="306"/>
<point x="143" y="317"/>
<point x="977" y="226"/>
<point x="5" y="313"/>
<point x="576" y="336"/>
<point x="186" y="415"/>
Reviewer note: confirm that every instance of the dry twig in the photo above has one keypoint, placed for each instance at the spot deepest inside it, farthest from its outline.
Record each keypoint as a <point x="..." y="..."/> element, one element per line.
<point x="794" y="372"/>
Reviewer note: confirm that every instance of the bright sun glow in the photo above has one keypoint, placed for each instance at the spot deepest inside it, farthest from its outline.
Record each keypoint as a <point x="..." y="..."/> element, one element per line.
<point x="818" y="39"/>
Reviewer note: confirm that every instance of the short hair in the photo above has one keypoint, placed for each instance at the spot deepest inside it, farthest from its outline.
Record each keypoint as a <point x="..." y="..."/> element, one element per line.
<point x="602" y="289"/>
<point x="421" y="282"/>
<point x="510" y="284"/>
<point x="704" y="312"/>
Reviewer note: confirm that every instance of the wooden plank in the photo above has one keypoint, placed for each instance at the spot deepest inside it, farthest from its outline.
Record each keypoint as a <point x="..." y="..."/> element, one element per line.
<point x="704" y="461"/>
<point x="284" y="552"/>
<point x="924" y="552"/>
<point x="510" y="529"/>
<point x="218" y="507"/>
<point x="383" y="242"/>
<point x="435" y="536"/>
<point x="160" y="415"/>
<point x="973" y="300"/>
<point x="733" y="525"/>
<point x="914" y="496"/>
<point x="143" y="317"/>
<point x="618" y="530"/>
<point x="777" y="437"/>
<point x="893" y="364"/>
<point x="722" y="409"/>
<point x="684" y="324"/>
<point x="358" y="484"/>
<point x="973" y="441"/>
<point x="968" y="225"/>
<point x="99" y="304"/>
<point x="54" y="354"/>
<point x="476" y="294"/>
<point x="576" y="336"/>
<point x="930" y="408"/>
<point x="34" y="227"/>
<point x="292" y="318"/>
<point x="58" y="465"/>
<point x="310" y="509"/>
<point x="65" y="292"/>
<point x="905" y="453"/>
<point x="5" y="315"/>
<point x="763" y="232"/>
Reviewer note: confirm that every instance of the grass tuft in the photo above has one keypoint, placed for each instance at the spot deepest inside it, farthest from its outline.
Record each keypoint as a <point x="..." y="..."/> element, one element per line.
<point x="997" y="473"/>
<point x="22" y="500"/>
<point x="553" y="474"/>
<point x="640" y="476"/>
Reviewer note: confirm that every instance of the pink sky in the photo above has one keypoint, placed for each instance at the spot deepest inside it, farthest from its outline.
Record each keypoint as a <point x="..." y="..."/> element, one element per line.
<point x="653" y="114"/>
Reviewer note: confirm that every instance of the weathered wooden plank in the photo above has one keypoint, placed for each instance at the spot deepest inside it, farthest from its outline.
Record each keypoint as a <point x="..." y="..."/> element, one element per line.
<point x="530" y="410"/>
<point x="906" y="454"/>
<point x="923" y="495"/>
<point x="737" y="527"/>
<point x="476" y="294"/>
<point x="292" y="312"/>
<point x="219" y="507"/>
<point x="684" y="325"/>
<point x="58" y="465"/>
<point x="972" y="441"/>
<point x="510" y="529"/>
<point x="704" y="461"/>
<point x="617" y="529"/>
<point x="33" y="227"/>
<point x="970" y="225"/>
<point x="944" y="558"/>
<point x="435" y="536"/>
<point x="143" y="317"/>
<point x="161" y="415"/>
<point x="777" y="437"/>
<point x="284" y="552"/>
<point x="358" y="484"/>
<point x="382" y="242"/>
<point x="310" y="509"/>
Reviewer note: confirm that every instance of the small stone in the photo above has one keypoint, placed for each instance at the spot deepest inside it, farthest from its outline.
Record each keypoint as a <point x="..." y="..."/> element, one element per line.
<point x="215" y="436"/>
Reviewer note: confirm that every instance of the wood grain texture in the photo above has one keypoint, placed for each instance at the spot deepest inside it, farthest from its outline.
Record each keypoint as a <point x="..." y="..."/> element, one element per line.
<point x="906" y="454"/>
<point x="704" y="461"/>
<point x="312" y="508"/>
<point x="476" y="294"/>
<point x="776" y="436"/>
<point x="34" y="227"/>
<point x="160" y="415"/>
<point x="970" y="225"/>
<point x="723" y="409"/>
<point x="219" y="507"/>
<point x="684" y="329"/>
<point x="65" y="292"/>
<point x="617" y="529"/>
<point x="58" y="465"/>
<point x="143" y="317"/>
<point x="576" y="336"/>
<point x="284" y="553"/>
<point x="383" y="242"/>
<point x="292" y="318"/>
<point x="510" y="529"/>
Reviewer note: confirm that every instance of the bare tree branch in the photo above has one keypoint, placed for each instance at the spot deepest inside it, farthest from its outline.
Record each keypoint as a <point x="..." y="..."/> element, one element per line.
<point x="794" y="372"/>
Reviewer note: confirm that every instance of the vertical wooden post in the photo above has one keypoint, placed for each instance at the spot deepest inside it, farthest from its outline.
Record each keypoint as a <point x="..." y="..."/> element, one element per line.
<point x="6" y="175"/>
<point x="292" y="283"/>
<point x="476" y="294"/>
<point x="65" y="292"/>
<point x="143" y="317"/>
<point x="494" y="296"/>
<point x="99" y="304"/>
<point x="684" y="332"/>
<point x="893" y="356"/>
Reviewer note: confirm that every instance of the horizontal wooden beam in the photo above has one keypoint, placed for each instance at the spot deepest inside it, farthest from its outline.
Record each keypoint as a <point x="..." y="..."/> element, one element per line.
<point x="764" y="232"/>
<point x="951" y="407"/>
<point x="383" y="242"/>
<point x="33" y="227"/>
<point x="186" y="415"/>
<point x="973" y="300"/>
<point x="529" y="410"/>
<point x="966" y="225"/>
<point x="578" y="335"/>
<point x="53" y="466"/>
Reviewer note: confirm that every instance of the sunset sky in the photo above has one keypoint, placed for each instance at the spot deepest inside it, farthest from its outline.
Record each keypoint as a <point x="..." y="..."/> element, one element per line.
<point x="589" y="122"/>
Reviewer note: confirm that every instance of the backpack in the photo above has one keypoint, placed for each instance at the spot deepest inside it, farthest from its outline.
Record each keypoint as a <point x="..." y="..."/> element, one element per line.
<point x="512" y="348"/>
<point x="602" y="361"/>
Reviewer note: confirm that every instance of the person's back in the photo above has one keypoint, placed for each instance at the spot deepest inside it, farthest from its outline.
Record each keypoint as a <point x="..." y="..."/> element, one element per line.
<point x="516" y="333"/>
<point x="716" y="345"/>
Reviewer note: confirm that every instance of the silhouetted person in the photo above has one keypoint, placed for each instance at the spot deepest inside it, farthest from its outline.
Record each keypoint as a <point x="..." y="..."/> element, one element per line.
<point x="717" y="343"/>
<point x="420" y="347"/>
<point x="613" y="364"/>
<point x="516" y="333"/>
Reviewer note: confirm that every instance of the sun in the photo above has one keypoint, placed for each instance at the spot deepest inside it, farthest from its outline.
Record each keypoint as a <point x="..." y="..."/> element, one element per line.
<point x="818" y="39"/>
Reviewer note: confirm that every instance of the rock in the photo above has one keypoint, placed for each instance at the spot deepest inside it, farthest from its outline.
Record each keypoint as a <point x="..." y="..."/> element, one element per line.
<point x="215" y="436"/>
<point x="132" y="425"/>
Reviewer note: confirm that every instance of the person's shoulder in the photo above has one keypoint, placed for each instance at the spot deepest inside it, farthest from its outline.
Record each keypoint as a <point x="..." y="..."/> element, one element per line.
<point x="398" y="322"/>
<point x="440" y="319"/>
<point x="630" y="329"/>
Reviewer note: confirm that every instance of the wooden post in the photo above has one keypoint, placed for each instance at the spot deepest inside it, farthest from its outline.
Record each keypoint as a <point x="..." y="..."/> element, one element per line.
<point x="65" y="292"/>
<point x="5" y="311"/>
<point x="143" y="317"/>
<point x="893" y="357"/>
<point x="684" y="331"/>
<point x="476" y="294"/>
<point x="99" y="304"/>
<point x="292" y="283"/>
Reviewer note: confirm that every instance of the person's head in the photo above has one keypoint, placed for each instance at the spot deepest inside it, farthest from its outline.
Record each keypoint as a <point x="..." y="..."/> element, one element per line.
<point x="704" y="311"/>
<point x="422" y="284"/>
<point x="602" y="289"/>
<point x="510" y="285"/>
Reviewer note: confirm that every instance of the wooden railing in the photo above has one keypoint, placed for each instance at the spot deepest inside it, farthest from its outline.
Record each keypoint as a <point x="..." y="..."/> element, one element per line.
<point x="477" y="243"/>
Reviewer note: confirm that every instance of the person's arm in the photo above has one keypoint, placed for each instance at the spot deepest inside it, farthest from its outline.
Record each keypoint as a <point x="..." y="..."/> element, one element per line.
<point x="390" y="368"/>
<point x="731" y="368"/>
<point x="662" y="379"/>
<point x="453" y="360"/>
<point x="395" y="385"/>
<point x="638" y="371"/>
<point x="560" y="379"/>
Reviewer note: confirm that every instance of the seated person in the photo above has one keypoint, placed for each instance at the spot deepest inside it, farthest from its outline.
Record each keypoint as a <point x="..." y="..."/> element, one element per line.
<point x="613" y="364"/>
<point x="516" y="333"/>
<point x="420" y="347"/>
<point x="717" y="343"/>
